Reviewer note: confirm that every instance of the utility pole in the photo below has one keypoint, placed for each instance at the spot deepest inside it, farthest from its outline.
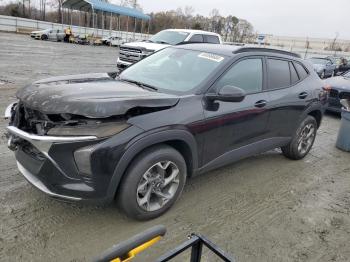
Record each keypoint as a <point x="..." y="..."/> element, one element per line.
<point x="134" y="4"/>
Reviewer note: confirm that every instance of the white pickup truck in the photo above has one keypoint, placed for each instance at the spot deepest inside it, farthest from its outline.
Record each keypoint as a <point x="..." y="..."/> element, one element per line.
<point x="133" y="52"/>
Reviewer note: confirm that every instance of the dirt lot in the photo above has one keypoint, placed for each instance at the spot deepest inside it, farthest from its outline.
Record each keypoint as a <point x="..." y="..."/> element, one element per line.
<point x="265" y="208"/>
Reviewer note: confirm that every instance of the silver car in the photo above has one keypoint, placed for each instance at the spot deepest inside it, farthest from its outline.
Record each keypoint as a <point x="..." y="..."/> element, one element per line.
<point x="324" y="67"/>
<point x="48" y="34"/>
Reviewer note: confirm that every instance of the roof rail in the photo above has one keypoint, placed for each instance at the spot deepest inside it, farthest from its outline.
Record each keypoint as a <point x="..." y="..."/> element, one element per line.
<point x="263" y="49"/>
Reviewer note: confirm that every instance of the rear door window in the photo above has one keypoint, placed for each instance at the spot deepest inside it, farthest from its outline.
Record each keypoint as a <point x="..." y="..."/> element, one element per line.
<point x="212" y="39"/>
<point x="301" y="70"/>
<point x="278" y="73"/>
<point x="196" y="39"/>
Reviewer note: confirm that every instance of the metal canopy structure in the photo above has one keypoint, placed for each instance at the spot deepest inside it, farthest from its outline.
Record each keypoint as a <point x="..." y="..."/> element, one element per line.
<point x="96" y="7"/>
<point x="100" y="6"/>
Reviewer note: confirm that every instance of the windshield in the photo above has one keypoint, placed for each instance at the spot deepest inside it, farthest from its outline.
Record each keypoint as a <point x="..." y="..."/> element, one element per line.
<point x="319" y="61"/>
<point x="173" y="69"/>
<point x="169" y="37"/>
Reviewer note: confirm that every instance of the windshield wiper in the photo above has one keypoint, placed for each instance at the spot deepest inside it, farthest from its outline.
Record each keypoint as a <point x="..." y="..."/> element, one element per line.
<point x="140" y="84"/>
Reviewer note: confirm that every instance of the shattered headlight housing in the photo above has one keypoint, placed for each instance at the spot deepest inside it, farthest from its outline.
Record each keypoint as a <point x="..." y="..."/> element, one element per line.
<point x="100" y="130"/>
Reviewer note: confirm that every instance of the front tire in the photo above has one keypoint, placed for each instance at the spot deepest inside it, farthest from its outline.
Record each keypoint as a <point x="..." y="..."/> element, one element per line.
<point x="302" y="141"/>
<point x="44" y="37"/>
<point x="153" y="182"/>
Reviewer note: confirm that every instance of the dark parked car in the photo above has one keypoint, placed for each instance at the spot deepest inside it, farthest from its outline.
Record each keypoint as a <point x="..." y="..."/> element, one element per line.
<point x="178" y="113"/>
<point x="340" y="89"/>
<point x="324" y="67"/>
<point x="343" y="67"/>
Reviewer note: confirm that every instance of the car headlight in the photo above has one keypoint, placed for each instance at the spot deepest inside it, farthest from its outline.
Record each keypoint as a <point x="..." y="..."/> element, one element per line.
<point x="100" y="130"/>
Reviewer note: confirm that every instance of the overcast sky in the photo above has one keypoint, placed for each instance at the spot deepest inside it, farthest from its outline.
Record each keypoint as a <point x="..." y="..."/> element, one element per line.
<point x="313" y="18"/>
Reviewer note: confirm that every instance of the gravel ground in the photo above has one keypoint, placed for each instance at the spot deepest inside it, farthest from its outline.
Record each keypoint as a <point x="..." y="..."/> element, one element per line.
<point x="265" y="208"/>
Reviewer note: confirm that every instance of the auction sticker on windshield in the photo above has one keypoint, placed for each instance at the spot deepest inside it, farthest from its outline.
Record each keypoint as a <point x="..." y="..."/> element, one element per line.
<point x="211" y="57"/>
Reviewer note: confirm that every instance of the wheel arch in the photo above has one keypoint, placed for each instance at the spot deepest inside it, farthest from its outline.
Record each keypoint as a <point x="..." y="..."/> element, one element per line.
<point x="316" y="110"/>
<point x="181" y="140"/>
<point x="317" y="114"/>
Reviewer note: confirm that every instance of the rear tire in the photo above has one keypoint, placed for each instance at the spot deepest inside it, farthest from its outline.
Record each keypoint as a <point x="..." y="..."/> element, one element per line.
<point x="302" y="140"/>
<point x="152" y="183"/>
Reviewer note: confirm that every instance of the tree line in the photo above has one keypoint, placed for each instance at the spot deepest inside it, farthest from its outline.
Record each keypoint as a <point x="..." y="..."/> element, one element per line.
<point x="231" y="28"/>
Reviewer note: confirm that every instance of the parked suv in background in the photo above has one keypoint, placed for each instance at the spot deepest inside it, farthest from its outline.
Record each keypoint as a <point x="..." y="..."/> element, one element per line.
<point x="136" y="137"/>
<point x="324" y="67"/>
<point x="130" y="53"/>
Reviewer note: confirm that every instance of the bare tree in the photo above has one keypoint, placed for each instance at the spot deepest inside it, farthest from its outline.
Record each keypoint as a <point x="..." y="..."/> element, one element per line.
<point x="215" y="20"/>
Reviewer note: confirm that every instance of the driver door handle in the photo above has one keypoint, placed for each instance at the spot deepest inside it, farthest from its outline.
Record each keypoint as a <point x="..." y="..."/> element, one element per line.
<point x="260" y="103"/>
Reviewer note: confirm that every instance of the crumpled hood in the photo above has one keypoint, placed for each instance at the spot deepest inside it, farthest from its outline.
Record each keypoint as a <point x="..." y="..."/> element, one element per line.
<point x="90" y="95"/>
<point x="146" y="45"/>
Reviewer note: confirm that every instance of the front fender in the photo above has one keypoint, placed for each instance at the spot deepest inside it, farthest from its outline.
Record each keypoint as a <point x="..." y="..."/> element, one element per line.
<point x="145" y="140"/>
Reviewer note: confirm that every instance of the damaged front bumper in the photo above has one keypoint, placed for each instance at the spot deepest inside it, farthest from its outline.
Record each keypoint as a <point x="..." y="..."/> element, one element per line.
<point x="48" y="171"/>
<point x="71" y="160"/>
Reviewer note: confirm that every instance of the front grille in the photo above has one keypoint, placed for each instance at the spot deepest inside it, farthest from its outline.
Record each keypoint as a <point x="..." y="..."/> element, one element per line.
<point x="344" y="95"/>
<point x="29" y="149"/>
<point x="31" y="121"/>
<point x="130" y="56"/>
<point x="131" y="50"/>
<point x="333" y="93"/>
<point x="128" y="60"/>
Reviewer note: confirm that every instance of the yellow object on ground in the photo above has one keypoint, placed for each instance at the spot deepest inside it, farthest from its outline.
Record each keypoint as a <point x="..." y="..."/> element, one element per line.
<point x="132" y="253"/>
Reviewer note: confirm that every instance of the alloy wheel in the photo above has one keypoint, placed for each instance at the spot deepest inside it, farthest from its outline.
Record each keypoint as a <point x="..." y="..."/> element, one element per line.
<point x="306" y="138"/>
<point x="158" y="185"/>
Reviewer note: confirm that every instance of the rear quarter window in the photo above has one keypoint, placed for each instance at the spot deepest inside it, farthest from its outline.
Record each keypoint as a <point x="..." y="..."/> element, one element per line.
<point x="302" y="72"/>
<point x="212" y="39"/>
<point x="196" y="39"/>
<point x="293" y="74"/>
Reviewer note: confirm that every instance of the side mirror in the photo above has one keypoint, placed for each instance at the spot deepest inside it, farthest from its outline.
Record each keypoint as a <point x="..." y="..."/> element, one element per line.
<point x="228" y="94"/>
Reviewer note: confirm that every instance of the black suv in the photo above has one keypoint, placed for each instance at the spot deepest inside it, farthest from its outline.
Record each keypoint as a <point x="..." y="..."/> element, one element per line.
<point x="136" y="137"/>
